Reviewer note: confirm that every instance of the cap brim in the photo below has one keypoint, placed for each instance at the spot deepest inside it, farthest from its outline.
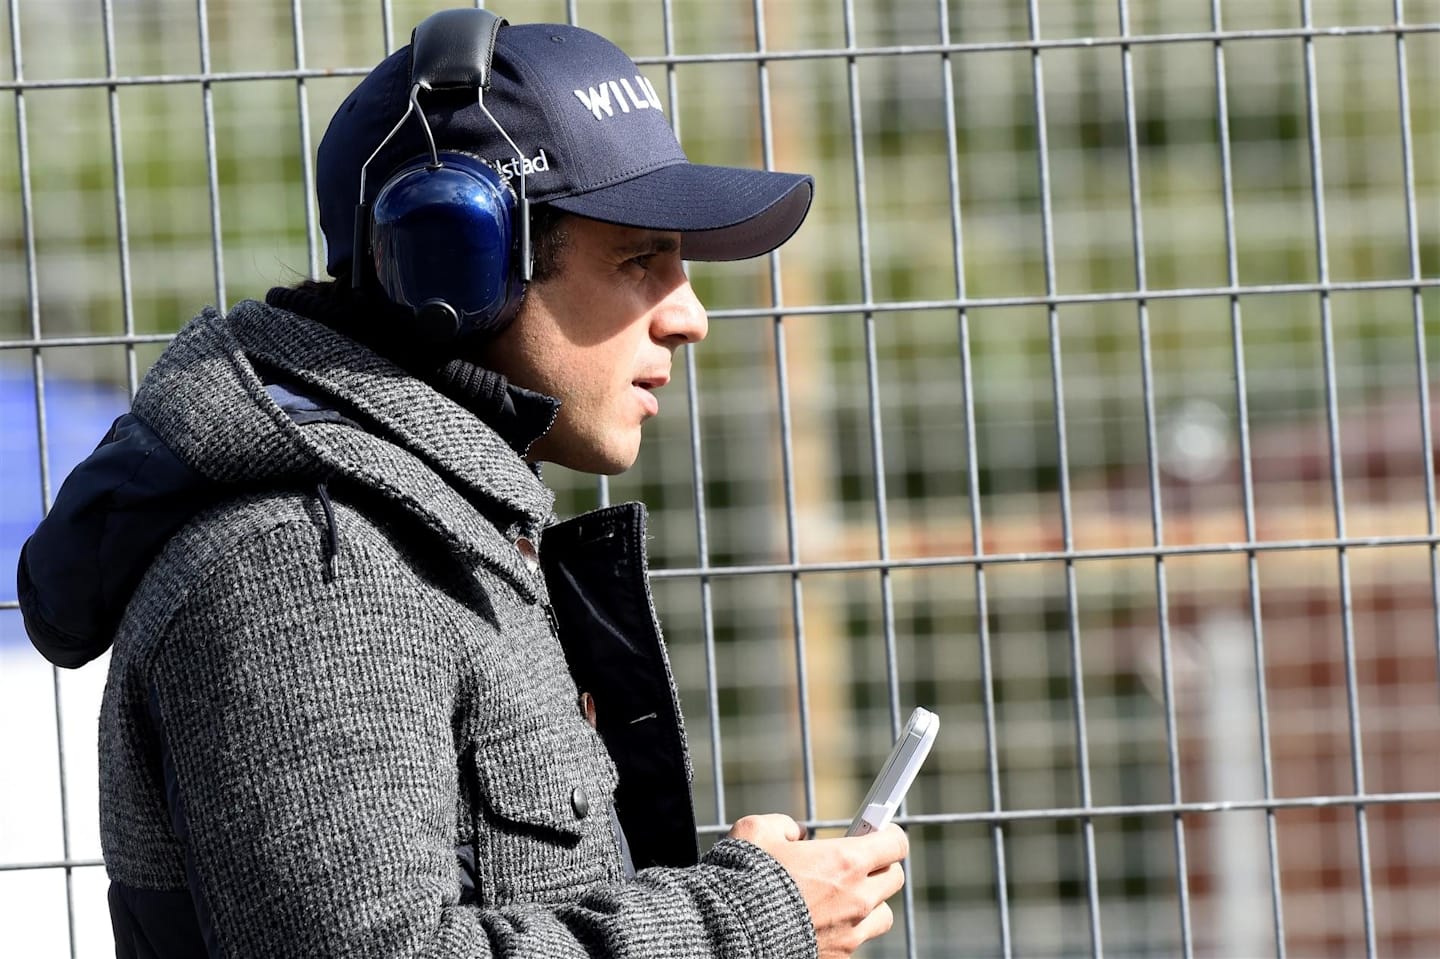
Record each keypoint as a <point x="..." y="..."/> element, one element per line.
<point x="723" y="213"/>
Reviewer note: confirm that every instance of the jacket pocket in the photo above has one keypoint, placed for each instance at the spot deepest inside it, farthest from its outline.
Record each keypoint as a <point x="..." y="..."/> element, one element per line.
<point x="543" y="830"/>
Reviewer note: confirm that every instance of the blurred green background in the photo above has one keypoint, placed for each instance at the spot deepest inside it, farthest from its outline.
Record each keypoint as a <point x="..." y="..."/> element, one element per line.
<point x="823" y="433"/>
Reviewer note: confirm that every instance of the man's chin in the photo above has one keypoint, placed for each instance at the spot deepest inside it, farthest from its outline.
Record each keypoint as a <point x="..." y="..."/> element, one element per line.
<point x="593" y="467"/>
<point x="600" y="461"/>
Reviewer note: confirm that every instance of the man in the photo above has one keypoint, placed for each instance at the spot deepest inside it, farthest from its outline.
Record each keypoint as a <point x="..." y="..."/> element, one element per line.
<point x="366" y="697"/>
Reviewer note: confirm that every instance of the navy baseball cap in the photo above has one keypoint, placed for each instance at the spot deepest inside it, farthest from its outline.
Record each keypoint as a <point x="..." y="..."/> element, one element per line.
<point x="593" y="140"/>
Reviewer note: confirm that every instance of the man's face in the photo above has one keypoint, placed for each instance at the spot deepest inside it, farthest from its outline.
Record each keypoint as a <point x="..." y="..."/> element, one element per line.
<point x="599" y="335"/>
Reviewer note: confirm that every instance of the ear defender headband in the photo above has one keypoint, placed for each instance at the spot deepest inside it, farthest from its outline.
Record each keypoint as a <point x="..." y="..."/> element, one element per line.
<point x="441" y="233"/>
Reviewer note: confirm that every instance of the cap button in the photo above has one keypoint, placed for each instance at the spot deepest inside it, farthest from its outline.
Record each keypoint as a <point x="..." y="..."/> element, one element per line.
<point x="580" y="802"/>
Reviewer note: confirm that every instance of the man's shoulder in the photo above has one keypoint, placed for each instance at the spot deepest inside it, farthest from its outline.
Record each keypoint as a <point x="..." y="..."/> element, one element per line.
<point x="242" y="537"/>
<point x="270" y="560"/>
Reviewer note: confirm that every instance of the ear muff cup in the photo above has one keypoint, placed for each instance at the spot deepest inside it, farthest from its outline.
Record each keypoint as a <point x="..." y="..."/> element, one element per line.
<point x="443" y="241"/>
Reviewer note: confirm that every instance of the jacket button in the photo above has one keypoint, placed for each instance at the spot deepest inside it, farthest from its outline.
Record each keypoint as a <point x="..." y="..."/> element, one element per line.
<point x="580" y="802"/>
<point x="525" y="546"/>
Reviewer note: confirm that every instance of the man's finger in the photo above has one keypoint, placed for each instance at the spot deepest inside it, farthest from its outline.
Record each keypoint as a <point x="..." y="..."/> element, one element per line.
<point x="886" y="846"/>
<point x="876" y="924"/>
<point x="884" y="883"/>
<point x="767" y="828"/>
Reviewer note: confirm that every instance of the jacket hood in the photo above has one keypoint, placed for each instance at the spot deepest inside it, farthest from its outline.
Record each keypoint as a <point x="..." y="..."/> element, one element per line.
<point x="261" y="399"/>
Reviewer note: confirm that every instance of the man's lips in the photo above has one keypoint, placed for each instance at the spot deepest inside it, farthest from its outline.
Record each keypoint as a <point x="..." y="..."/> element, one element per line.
<point x="644" y="387"/>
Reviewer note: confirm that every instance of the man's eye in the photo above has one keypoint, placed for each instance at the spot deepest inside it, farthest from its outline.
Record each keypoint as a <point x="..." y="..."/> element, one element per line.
<point x="643" y="261"/>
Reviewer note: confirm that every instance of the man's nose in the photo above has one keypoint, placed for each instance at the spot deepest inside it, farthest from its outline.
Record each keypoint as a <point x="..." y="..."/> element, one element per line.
<point x="681" y="318"/>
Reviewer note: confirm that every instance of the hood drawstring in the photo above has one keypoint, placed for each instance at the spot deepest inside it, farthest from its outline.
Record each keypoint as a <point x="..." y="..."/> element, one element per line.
<point x="332" y="540"/>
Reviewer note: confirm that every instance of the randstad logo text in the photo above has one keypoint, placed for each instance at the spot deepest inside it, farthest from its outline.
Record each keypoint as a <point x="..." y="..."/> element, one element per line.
<point x="599" y="100"/>
<point x="539" y="163"/>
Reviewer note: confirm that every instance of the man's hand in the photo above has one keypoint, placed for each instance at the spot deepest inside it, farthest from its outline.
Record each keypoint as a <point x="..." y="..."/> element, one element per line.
<point x="844" y="882"/>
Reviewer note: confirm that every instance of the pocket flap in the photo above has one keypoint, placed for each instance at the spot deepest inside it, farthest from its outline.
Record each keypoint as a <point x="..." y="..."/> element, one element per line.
<point x="547" y="777"/>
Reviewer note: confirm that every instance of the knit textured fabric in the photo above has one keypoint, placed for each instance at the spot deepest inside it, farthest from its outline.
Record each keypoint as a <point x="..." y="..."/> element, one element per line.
<point x="347" y="689"/>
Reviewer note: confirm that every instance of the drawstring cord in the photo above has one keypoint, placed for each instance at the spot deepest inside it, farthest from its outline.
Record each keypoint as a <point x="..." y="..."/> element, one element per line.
<point x="332" y="541"/>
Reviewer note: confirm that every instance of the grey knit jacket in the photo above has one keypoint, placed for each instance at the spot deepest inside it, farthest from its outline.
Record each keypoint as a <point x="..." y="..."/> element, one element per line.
<point x="342" y="713"/>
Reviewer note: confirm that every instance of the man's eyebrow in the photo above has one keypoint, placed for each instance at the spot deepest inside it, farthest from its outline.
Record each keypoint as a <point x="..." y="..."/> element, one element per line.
<point x="648" y="243"/>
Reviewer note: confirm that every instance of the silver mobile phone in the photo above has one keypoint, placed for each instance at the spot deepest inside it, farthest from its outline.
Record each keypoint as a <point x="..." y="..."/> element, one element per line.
<point x="889" y="788"/>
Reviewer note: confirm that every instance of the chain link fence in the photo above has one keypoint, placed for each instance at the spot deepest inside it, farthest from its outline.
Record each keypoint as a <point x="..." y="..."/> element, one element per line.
<point x="1091" y="409"/>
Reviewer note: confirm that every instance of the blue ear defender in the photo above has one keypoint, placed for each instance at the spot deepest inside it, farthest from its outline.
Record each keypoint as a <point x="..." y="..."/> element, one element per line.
<point x="442" y="243"/>
<point x="441" y="235"/>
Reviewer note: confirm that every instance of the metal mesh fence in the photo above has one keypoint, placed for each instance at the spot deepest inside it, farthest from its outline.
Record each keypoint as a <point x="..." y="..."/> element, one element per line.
<point x="1090" y="408"/>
